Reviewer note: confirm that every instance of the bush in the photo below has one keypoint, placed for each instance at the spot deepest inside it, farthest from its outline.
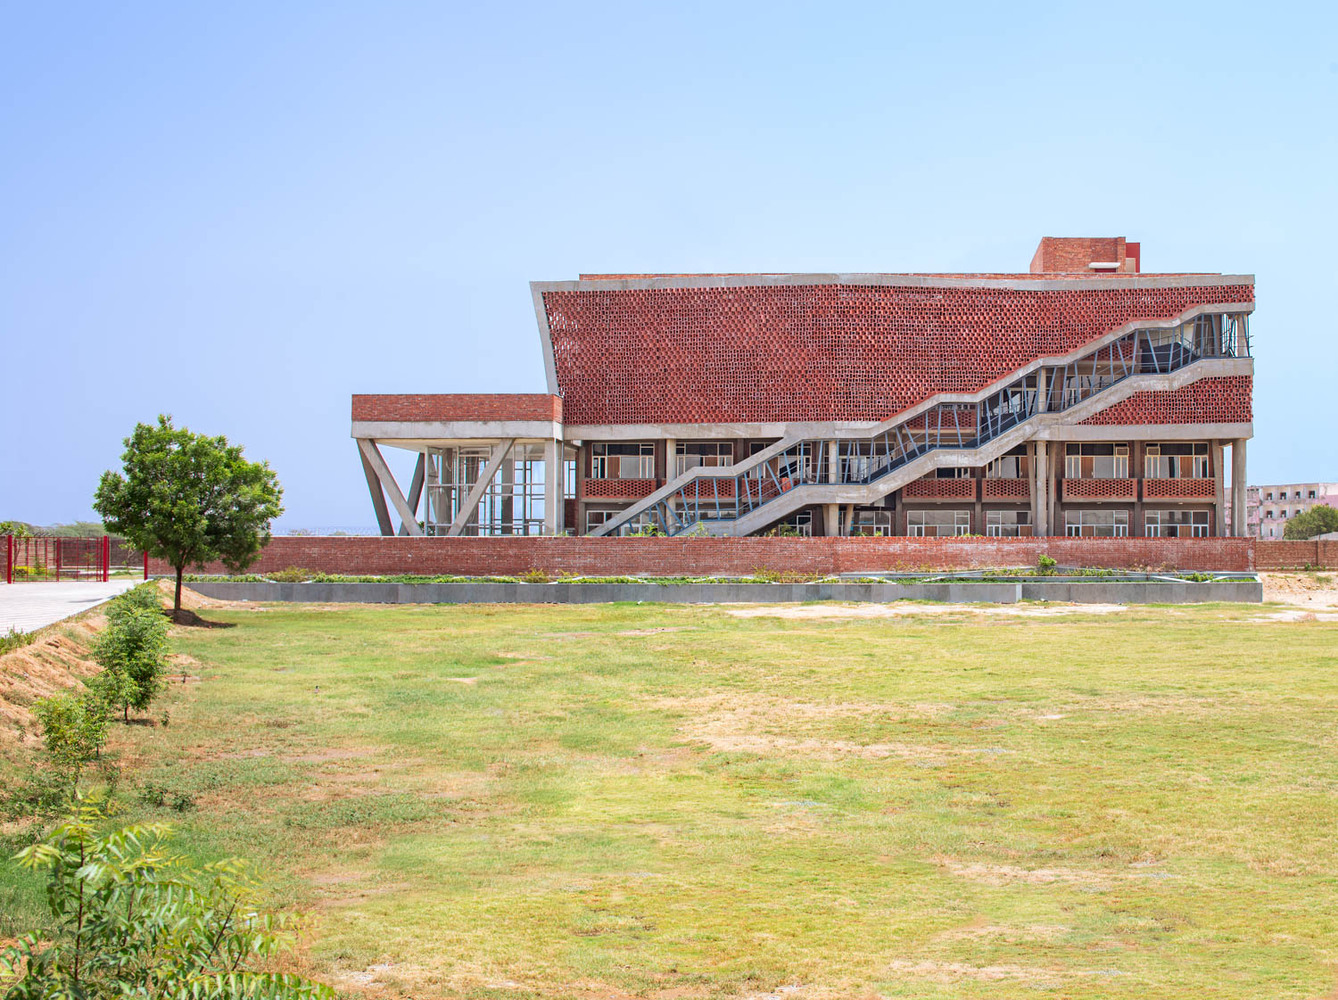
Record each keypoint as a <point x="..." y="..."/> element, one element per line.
<point x="131" y="919"/>
<point x="1045" y="565"/>
<point x="293" y="574"/>
<point x="74" y="730"/>
<point x="534" y="576"/>
<point x="132" y="651"/>
<point x="144" y="596"/>
<point x="14" y="639"/>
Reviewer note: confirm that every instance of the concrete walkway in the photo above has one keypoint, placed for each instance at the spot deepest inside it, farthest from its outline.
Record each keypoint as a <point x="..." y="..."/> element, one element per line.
<point x="29" y="606"/>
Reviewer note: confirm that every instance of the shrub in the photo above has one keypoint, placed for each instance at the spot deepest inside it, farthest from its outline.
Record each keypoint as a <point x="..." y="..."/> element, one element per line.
<point x="1045" y="565"/>
<point x="74" y="730"/>
<point x="131" y="919"/>
<point x="132" y="651"/>
<point x="144" y="596"/>
<point x="534" y="576"/>
<point x="293" y="574"/>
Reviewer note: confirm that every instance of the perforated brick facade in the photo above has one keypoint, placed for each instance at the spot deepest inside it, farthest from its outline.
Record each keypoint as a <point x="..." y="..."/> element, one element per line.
<point x="1179" y="489"/>
<point x="940" y="489"/>
<point x="1100" y="489"/>
<point x="820" y="352"/>
<point x="619" y="489"/>
<point x="1209" y="400"/>
<point x="1006" y="489"/>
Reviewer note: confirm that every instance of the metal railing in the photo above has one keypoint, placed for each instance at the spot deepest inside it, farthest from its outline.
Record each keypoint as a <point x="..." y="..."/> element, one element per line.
<point x="704" y="496"/>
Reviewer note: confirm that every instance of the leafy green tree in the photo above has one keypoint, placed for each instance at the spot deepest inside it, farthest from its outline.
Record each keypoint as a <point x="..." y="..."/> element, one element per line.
<point x="189" y="499"/>
<point x="16" y="528"/>
<point x="132" y="650"/>
<point x="1316" y="521"/>
<point x="130" y="919"/>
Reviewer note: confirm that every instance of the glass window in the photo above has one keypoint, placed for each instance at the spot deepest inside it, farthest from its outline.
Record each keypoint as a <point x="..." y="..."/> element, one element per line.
<point x="635" y="460"/>
<point x="697" y="454"/>
<point x="938" y="523"/>
<point x="952" y="472"/>
<point x="1311" y="494"/>
<point x="1016" y="464"/>
<point x="594" y="518"/>
<point x="1008" y="523"/>
<point x="1096" y="523"/>
<point x="1269" y="496"/>
<point x="1096" y="461"/>
<point x="1175" y="524"/>
<point x="1176" y="461"/>
<point x="870" y="521"/>
<point x="1296" y="495"/>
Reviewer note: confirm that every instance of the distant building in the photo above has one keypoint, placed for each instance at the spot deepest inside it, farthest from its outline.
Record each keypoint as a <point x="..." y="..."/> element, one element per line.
<point x="1269" y="508"/>
<point x="1081" y="398"/>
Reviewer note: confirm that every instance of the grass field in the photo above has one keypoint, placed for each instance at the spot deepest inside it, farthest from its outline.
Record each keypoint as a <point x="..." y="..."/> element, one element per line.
<point x="659" y="801"/>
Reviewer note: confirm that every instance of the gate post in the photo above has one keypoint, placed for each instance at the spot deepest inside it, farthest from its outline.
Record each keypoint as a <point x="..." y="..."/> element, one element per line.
<point x="9" y="559"/>
<point x="57" y="541"/>
<point x="146" y="564"/>
<point x="106" y="559"/>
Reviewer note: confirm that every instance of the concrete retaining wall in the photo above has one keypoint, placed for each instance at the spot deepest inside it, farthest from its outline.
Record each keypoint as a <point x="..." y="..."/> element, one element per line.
<point x="1081" y="592"/>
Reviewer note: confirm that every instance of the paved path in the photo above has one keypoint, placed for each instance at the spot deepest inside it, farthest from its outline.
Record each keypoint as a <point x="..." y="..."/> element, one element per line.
<point x="29" y="606"/>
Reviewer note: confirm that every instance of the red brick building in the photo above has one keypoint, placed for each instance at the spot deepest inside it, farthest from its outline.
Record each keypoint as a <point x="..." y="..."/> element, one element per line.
<point x="1082" y="398"/>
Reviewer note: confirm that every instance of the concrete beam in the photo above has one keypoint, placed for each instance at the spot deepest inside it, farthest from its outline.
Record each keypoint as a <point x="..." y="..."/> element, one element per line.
<point x="372" y="455"/>
<point x="378" y="496"/>
<point x="415" y="489"/>
<point x="499" y="453"/>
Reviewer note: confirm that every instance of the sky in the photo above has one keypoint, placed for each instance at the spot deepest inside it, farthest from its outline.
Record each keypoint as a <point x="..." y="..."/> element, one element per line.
<point x="240" y="214"/>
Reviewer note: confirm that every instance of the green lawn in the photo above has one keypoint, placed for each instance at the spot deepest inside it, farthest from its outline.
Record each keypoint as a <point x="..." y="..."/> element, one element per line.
<point x="660" y="801"/>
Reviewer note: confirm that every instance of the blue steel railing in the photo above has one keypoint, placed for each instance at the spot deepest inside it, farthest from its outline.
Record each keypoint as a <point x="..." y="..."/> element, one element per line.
<point x="708" y="495"/>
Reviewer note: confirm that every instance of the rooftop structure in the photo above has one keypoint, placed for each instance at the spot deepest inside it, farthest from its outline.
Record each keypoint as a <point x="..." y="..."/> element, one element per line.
<point x="1082" y="397"/>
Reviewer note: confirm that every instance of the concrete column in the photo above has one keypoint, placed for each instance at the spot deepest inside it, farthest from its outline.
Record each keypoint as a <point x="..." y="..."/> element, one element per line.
<point x="1040" y="390"/>
<point x="552" y="487"/>
<point x="831" y="519"/>
<point x="1055" y="461"/>
<point x="1040" y="507"/>
<point x="1238" y="526"/>
<point x="832" y="515"/>
<point x="1216" y="454"/>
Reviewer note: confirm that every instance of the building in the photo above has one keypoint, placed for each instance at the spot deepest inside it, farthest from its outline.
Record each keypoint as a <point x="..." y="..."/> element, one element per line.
<point x="1083" y="397"/>
<point x="1269" y="508"/>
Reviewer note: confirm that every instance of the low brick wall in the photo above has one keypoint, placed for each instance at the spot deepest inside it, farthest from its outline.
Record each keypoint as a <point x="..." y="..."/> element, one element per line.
<point x="361" y="555"/>
<point x="1314" y="554"/>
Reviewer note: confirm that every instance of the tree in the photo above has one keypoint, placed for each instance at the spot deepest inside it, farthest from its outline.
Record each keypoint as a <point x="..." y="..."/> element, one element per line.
<point x="1316" y="521"/>
<point x="189" y="499"/>
<point x="133" y="653"/>
<point x="130" y="919"/>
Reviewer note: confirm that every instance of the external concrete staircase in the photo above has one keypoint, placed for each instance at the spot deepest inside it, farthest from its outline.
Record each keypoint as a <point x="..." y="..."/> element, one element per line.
<point x="861" y="465"/>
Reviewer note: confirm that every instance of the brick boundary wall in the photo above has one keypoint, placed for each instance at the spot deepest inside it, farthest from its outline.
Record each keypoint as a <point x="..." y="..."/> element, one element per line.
<point x="1310" y="554"/>
<point x="375" y="555"/>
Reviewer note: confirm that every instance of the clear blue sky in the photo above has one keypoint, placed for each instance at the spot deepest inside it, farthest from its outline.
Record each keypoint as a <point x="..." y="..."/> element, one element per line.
<point x="242" y="213"/>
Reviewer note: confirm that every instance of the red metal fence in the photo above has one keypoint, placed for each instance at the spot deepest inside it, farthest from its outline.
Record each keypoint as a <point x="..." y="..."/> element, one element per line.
<point x="47" y="558"/>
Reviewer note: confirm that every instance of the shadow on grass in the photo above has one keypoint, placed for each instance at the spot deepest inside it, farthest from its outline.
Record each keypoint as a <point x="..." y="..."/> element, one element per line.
<point x="191" y="620"/>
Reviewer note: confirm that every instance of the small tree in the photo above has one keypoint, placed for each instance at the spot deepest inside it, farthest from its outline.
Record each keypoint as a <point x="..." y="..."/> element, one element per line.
<point x="130" y="919"/>
<point x="189" y="499"/>
<point x="132" y="650"/>
<point x="74" y="731"/>
<point x="1316" y="521"/>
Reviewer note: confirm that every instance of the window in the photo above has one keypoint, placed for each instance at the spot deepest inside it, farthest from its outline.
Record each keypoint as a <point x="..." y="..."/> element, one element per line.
<point x="1008" y="523"/>
<point x="938" y="523"/>
<point x="1269" y="497"/>
<point x="1096" y="523"/>
<point x="1268" y="513"/>
<point x="1016" y="464"/>
<point x="1176" y="461"/>
<point x="1096" y="461"/>
<point x="1175" y="524"/>
<point x="698" y="454"/>
<point x="622" y="461"/>
<point x="594" y="518"/>
<point x="1310" y="494"/>
<point x="870" y="521"/>
<point x="952" y="472"/>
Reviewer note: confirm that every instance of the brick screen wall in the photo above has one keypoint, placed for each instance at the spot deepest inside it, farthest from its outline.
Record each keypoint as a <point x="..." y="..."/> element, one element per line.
<point x="459" y="406"/>
<point x="1227" y="400"/>
<point x="742" y="556"/>
<point x="618" y="489"/>
<point x="819" y="352"/>
<point x="930" y="488"/>
<point x="1006" y="489"/>
<point x="1099" y="489"/>
<point x="1180" y="489"/>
